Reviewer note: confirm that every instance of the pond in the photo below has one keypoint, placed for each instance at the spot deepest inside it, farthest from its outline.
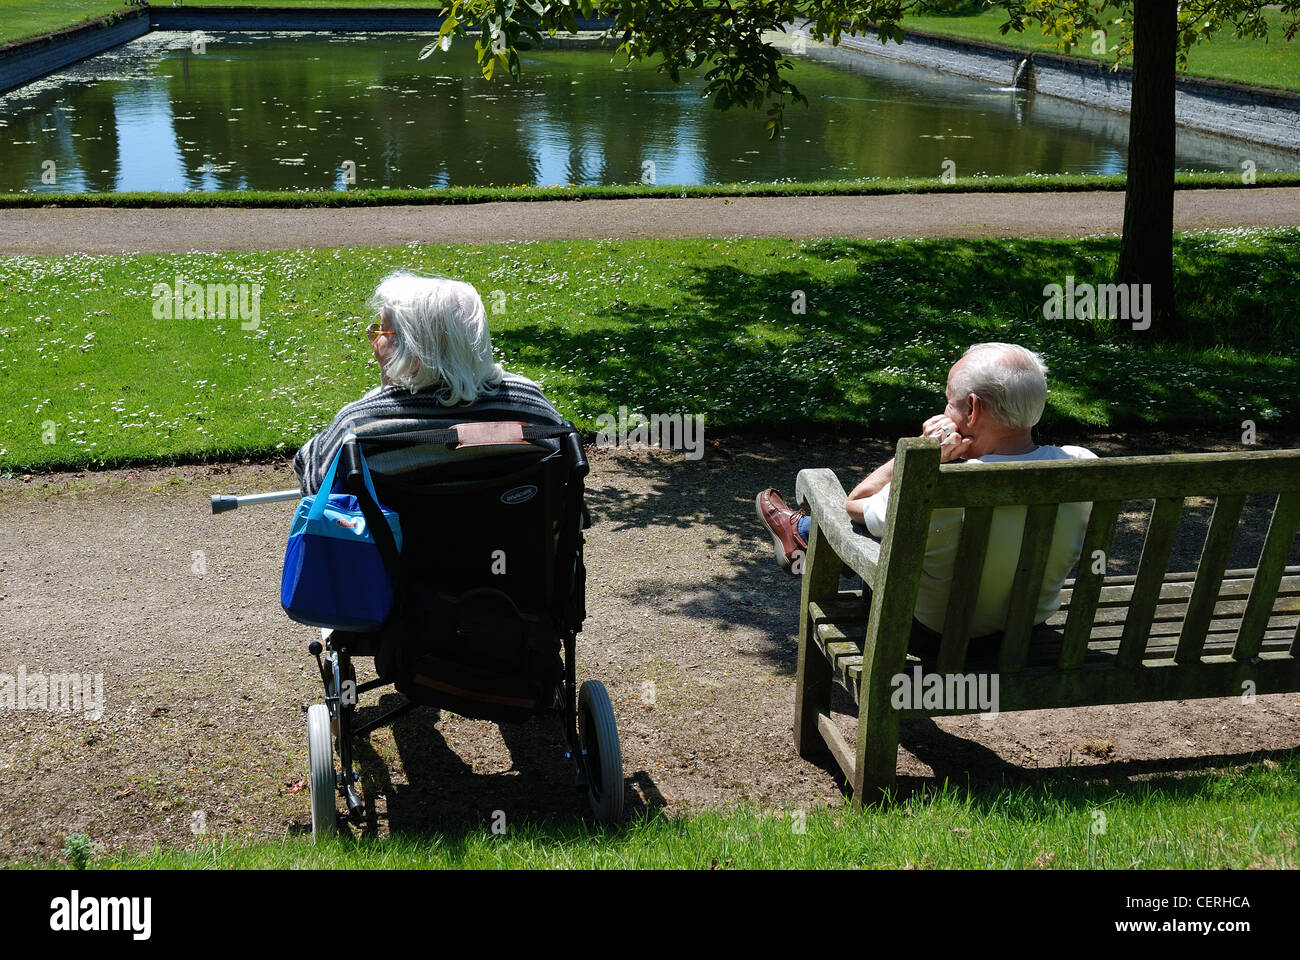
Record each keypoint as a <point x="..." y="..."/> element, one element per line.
<point x="275" y="111"/>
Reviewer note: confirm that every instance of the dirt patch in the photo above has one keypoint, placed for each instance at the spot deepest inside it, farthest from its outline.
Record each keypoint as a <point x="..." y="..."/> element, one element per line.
<point x="692" y="627"/>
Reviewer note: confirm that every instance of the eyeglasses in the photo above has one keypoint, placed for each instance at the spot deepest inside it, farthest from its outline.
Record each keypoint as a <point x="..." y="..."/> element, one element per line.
<point x="374" y="332"/>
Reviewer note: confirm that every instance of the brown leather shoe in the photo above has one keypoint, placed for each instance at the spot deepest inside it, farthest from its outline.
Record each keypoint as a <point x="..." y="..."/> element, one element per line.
<point x="783" y="524"/>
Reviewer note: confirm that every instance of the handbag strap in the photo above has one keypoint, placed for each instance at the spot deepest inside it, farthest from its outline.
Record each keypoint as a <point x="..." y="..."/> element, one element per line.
<point x="322" y="495"/>
<point x="380" y="532"/>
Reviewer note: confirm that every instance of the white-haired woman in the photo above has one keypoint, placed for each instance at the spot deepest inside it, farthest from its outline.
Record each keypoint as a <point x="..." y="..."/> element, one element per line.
<point x="434" y="352"/>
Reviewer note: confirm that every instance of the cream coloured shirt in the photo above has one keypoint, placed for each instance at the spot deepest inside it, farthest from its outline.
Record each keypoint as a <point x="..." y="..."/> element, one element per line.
<point x="990" y="613"/>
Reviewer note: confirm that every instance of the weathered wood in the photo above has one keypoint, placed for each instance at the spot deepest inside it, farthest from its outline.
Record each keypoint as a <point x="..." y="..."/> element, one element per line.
<point x="1151" y="571"/>
<point x="1176" y="612"/>
<point x="1168" y="632"/>
<point x="1116" y="478"/>
<point x="916" y="468"/>
<point x="844" y="605"/>
<point x="1209" y="576"/>
<point x="968" y="567"/>
<point x="822" y="495"/>
<point x="839" y="747"/>
<point x="1045" y="649"/>
<point x="821" y="581"/>
<point x="1272" y="558"/>
<point x="1086" y="589"/>
<point x="1035" y="543"/>
<point x="1179" y="583"/>
<point x="1234" y="586"/>
<point x="1153" y="636"/>
<point x="1101" y="683"/>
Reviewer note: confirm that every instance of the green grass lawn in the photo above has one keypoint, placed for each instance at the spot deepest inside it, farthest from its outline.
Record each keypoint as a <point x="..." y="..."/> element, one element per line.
<point x="89" y="376"/>
<point x="1225" y="819"/>
<point x="21" y="19"/>
<point x="1274" y="62"/>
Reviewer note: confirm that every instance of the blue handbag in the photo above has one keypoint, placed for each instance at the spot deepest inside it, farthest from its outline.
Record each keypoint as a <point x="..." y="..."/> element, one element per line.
<point x="339" y="570"/>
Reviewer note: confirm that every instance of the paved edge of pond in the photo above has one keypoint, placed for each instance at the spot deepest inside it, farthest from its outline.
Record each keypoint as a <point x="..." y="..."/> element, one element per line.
<point x="103" y="230"/>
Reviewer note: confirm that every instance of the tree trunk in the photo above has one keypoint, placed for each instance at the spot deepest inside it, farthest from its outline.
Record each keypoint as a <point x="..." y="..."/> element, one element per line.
<point x="1146" y="253"/>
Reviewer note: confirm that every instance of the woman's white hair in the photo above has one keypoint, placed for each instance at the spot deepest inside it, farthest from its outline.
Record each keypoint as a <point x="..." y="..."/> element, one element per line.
<point x="442" y="337"/>
<point x="1010" y="380"/>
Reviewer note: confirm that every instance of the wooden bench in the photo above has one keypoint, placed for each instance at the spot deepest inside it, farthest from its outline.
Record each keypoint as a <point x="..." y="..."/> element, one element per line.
<point x="1154" y="636"/>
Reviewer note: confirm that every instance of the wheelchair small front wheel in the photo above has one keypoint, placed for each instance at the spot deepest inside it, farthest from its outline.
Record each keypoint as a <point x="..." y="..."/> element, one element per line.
<point x="601" y="757"/>
<point x="323" y="782"/>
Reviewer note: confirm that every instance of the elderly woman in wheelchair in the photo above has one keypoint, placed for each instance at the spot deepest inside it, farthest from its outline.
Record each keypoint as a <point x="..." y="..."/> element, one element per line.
<point x="489" y="583"/>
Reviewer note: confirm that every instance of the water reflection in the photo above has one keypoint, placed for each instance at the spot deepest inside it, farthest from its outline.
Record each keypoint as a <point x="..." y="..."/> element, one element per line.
<point x="293" y="111"/>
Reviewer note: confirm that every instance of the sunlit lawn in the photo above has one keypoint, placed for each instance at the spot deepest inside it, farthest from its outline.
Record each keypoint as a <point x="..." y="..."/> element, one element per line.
<point x="1274" y="62"/>
<point x="1235" y="819"/>
<point x="88" y="375"/>
<point x="20" y="19"/>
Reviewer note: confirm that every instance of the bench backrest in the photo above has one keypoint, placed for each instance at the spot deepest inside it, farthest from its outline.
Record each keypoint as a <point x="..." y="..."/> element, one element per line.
<point x="921" y="485"/>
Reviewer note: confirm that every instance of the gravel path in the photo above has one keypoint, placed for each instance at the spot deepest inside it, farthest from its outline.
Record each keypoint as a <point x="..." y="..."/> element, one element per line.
<point x="52" y="231"/>
<point x="126" y="574"/>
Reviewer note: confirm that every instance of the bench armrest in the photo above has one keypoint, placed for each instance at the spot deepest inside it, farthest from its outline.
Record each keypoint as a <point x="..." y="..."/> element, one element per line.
<point x="821" y="493"/>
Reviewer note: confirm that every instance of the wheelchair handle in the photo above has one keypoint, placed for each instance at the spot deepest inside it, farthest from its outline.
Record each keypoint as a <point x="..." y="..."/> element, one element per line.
<point x="224" y="502"/>
<point x="353" y="481"/>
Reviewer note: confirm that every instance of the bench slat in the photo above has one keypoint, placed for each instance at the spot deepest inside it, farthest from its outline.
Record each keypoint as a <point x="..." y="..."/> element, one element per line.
<point x="1035" y="543"/>
<point x="1209" y="576"/>
<point x="1117" y="478"/>
<point x="1277" y="545"/>
<point x="1151" y="571"/>
<point x="968" y="567"/>
<point x="1228" y="589"/>
<point x="1167" y="632"/>
<point x="1216" y="644"/>
<point x="1166" y="624"/>
<point x="1179" y="583"/>
<point x="1045" y="651"/>
<point x="1047" y="687"/>
<point x="1177" y="611"/>
<point x="1086" y="590"/>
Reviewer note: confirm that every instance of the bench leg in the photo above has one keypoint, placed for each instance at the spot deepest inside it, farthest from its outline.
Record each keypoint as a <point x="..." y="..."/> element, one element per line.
<point x="877" y="748"/>
<point x="821" y="582"/>
<point x="812" y="695"/>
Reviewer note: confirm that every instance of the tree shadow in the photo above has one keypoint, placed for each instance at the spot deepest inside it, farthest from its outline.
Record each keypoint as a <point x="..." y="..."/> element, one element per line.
<point x="883" y="322"/>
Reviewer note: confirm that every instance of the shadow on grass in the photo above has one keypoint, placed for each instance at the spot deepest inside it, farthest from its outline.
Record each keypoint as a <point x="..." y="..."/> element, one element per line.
<point x="884" y="322"/>
<point x="980" y="774"/>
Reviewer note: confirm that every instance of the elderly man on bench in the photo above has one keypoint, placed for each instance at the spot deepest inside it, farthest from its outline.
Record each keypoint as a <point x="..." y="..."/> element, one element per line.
<point x="996" y="393"/>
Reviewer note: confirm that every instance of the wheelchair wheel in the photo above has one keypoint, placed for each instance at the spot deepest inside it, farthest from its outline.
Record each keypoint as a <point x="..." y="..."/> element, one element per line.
<point x="601" y="757"/>
<point x="320" y="759"/>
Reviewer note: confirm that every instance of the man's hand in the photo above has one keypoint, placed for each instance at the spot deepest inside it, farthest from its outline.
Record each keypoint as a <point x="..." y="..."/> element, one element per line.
<point x="952" y="445"/>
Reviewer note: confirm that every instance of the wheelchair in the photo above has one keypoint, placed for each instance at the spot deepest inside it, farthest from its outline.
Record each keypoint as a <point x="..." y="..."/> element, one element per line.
<point x="489" y="601"/>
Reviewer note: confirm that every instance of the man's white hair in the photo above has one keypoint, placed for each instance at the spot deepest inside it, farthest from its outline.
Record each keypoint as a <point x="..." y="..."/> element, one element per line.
<point x="1010" y="380"/>
<point x="442" y="336"/>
